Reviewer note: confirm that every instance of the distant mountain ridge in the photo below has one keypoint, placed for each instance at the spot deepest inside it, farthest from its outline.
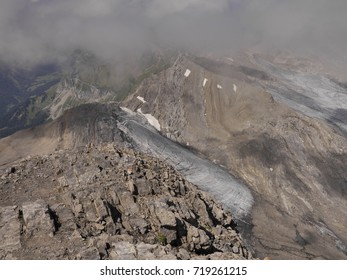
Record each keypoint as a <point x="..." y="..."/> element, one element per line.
<point x="34" y="95"/>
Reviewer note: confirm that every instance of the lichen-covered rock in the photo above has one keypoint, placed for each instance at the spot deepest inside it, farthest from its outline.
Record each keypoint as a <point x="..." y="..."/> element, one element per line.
<point x="37" y="219"/>
<point x="123" y="251"/>
<point x="198" y="240"/>
<point x="10" y="229"/>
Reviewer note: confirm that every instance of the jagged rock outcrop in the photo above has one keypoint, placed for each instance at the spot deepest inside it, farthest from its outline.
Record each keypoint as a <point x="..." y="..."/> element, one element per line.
<point x="103" y="202"/>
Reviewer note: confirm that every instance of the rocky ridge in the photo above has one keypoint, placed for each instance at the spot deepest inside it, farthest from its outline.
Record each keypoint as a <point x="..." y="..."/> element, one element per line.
<point x="107" y="202"/>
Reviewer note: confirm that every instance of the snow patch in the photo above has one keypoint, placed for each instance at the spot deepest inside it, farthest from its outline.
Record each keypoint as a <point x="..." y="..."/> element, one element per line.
<point x="230" y="59"/>
<point x="187" y="73"/>
<point x="219" y="86"/>
<point x="235" y="87"/>
<point x="127" y="110"/>
<point x="141" y="99"/>
<point x="151" y="120"/>
<point x="205" y="81"/>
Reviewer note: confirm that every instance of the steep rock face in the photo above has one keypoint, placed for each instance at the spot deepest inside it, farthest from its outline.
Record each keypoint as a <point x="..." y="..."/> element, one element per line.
<point x="102" y="202"/>
<point x="295" y="165"/>
<point x="90" y="123"/>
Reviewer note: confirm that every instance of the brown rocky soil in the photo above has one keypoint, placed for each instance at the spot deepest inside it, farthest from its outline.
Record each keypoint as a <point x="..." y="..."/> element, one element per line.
<point x="295" y="165"/>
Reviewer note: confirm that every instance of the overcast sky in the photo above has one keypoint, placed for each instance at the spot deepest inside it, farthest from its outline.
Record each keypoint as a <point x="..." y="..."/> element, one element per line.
<point x="34" y="30"/>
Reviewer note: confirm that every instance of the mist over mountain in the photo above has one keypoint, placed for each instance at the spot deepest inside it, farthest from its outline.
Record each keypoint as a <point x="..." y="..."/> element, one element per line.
<point x="42" y="30"/>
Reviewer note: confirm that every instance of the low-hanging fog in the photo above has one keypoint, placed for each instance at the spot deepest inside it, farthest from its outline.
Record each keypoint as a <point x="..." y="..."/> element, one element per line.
<point x="40" y="30"/>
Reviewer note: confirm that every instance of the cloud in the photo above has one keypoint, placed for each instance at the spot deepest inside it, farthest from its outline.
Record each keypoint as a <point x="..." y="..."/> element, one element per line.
<point x="36" y="30"/>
